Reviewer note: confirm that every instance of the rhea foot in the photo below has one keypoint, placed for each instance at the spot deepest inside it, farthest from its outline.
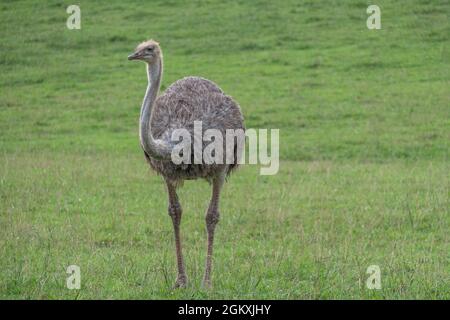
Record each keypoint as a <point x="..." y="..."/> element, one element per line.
<point x="181" y="282"/>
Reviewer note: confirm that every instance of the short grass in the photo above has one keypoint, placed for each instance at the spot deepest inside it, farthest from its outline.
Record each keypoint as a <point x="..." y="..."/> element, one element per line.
<point x="364" y="130"/>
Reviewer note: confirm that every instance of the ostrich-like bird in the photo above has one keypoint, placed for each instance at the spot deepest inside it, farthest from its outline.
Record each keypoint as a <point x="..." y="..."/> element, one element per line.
<point x="185" y="101"/>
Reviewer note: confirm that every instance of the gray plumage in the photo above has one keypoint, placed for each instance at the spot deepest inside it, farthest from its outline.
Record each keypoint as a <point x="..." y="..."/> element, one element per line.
<point x="185" y="101"/>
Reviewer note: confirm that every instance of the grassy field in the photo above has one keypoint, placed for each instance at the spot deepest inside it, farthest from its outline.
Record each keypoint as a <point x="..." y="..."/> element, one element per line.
<point x="364" y="122"/>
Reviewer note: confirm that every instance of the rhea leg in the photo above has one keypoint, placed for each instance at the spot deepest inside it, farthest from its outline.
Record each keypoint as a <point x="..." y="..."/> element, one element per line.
<point x="175" y="212"/>
<point x="212" y="217"/>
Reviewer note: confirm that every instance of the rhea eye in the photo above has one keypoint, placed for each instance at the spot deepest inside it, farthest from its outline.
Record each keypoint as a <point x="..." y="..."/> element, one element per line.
<point x="149" y="49"/>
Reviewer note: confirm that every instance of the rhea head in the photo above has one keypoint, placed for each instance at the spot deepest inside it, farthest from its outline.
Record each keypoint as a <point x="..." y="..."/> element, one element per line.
<point x="148" y="51"/>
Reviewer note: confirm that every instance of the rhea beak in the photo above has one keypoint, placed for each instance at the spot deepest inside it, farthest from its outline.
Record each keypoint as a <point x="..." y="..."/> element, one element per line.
<point x="133" y="56"/>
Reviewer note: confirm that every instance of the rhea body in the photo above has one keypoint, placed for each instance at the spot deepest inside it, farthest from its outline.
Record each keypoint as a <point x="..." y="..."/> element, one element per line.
<point x="185" y="101"/>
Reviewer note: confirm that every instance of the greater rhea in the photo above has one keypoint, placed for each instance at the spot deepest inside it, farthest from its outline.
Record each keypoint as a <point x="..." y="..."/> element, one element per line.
<point x="185" y="101"/>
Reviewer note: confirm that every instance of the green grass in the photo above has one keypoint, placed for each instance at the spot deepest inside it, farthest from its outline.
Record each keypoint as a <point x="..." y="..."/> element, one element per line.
<point x="364" y="124"/>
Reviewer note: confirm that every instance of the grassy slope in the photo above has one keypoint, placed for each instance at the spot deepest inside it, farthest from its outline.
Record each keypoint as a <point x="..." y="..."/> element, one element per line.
<point x="364" y="125"/>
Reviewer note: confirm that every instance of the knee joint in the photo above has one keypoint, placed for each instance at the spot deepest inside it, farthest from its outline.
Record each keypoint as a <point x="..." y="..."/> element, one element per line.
<point x="175" y="210"/>
<point x="212" y="218"/>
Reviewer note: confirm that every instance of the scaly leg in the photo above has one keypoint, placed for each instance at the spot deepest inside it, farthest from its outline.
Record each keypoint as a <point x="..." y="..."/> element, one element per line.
<point x="175" y="212"/>
<point x="212" y="217"/>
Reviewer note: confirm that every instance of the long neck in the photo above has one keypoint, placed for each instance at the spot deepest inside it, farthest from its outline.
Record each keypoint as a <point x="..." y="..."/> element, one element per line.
<point x="158" y="148"/>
